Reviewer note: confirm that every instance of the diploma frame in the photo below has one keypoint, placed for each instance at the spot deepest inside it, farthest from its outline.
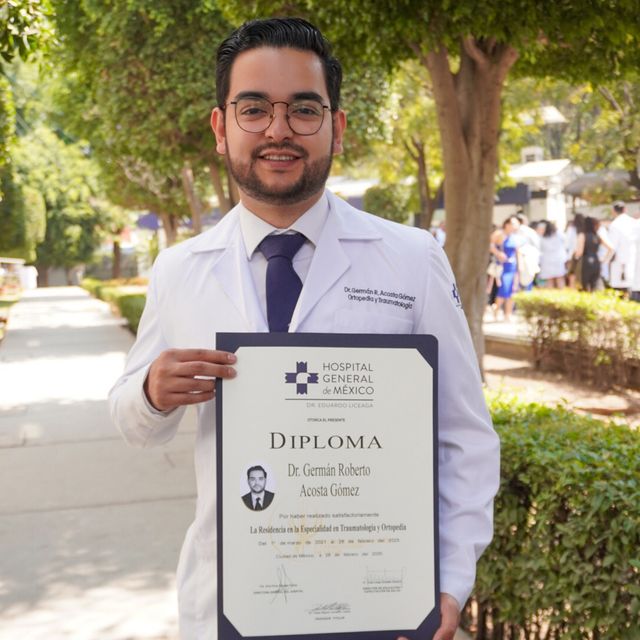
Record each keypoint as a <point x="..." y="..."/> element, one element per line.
<point x="427" y="348"/>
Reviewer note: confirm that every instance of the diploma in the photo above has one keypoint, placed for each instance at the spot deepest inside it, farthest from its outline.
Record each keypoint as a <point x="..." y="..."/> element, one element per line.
<point x="327" y="487"/>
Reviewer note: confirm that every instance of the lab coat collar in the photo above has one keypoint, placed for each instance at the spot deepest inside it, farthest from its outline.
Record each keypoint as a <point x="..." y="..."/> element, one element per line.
<point x="330" y="261"/>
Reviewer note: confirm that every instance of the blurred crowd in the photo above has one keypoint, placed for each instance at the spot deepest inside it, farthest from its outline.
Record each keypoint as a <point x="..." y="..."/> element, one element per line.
<point x="589" y="255"/>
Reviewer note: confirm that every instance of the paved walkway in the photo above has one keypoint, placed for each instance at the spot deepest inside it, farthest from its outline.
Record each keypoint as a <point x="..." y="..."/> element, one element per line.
<point x="90" y="529"/>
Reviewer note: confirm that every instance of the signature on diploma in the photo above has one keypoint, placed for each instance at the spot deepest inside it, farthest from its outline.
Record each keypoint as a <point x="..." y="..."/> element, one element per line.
<point x="284" y="582"/>
<point x="384" y="576"/>
<point x="332" y="607"/>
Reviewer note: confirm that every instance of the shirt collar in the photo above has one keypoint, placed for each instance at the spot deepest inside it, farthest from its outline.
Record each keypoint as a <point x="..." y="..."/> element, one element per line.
<point x="309" y="224"/>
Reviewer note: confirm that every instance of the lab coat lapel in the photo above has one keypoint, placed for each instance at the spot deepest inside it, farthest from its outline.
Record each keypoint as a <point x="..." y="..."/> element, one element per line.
<point x="231" y="270"/>
<point x="330" y="260"/>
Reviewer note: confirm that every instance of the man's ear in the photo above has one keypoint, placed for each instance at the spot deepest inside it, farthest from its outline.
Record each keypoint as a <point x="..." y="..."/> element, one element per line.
<point x="217" y="124"/>
<point x="339" y="125"/>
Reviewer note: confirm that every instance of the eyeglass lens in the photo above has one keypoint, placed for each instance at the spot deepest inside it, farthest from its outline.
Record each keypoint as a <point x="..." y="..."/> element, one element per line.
<point x="254" y="115"/>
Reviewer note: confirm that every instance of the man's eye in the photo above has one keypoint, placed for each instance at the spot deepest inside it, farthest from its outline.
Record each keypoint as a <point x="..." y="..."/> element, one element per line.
<point x="253" y="111"/>
<point x="305" y="110"/>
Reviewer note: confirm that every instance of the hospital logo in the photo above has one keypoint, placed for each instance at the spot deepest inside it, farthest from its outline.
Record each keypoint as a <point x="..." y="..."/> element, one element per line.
<point x="456" y="296"/>
<point x="301" y="378"/>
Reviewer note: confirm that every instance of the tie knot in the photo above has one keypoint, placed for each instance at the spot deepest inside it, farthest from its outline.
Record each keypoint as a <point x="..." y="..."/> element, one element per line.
<point x="283" y="245"/>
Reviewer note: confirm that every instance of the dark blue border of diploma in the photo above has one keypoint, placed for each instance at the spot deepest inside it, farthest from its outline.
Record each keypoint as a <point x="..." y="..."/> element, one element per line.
<point x="427" y="346"/>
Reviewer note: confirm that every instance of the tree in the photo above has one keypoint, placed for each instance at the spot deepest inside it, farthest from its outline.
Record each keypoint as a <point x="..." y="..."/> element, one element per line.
<point x="24" y="27"/>
<point x="469" y="48"/>
<point x="411" y="148"/>
<point x="67" y="181"/>
<point x="146" y="73"/>
<point x="22" y="217"/>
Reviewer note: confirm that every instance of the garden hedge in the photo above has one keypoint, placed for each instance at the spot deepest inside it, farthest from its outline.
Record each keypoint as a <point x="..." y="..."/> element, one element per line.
<point x="126" y="296"/>
<point x="565" y="558"/>
<point x="594" y="337"/>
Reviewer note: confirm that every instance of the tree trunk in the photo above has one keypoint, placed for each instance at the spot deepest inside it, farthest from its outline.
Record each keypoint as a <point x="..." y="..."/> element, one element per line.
<point x="195" y="206"/>
<point x="43" y="275"/>
<point x="468" y="108"/>
<point x="170" y="226"/>
<point x="216" y="181"/>
<point x="116" y="268"/>
<point x="426" y="206"/>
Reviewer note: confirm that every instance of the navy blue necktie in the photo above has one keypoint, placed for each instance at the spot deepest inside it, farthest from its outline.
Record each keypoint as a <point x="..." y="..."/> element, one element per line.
<point x="283" y="283"/>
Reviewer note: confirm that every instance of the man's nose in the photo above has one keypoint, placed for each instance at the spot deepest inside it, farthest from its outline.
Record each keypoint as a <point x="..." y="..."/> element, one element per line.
<point x="279" y="128"/>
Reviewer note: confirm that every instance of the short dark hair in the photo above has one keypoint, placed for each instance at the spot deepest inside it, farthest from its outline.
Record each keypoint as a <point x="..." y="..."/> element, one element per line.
<point x="294" y="33"/>
<point x="549" y="228"/>
<point x="618" y="206"/>
<point x="256" y="468"/>
<point x="509" y="220"/>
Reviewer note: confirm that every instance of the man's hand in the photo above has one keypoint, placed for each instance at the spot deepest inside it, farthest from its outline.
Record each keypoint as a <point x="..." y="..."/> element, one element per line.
<point x="450" y="618"/>
<point x="175" y="377"/>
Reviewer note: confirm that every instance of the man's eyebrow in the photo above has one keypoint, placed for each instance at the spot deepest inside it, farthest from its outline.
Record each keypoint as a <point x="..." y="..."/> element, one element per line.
<point x="250" y="94"/>
<point x="308" y="95"/>
<point x="300" y="95"/>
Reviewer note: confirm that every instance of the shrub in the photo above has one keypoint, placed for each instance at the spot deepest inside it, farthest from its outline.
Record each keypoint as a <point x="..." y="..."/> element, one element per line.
<point x="591" y="336"/>
<point x="389" y="201"/>
<point x="131" y="306"/>
<point x="126" y="296"/>
<point x="564" y="559"/>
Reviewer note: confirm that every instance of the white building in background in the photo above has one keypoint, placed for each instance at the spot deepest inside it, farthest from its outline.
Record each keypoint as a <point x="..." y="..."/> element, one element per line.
<point x="546" y="180"/>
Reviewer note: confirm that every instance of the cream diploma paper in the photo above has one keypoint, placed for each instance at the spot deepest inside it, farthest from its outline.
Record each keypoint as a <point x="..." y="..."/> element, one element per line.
<point x="346" y="438"/>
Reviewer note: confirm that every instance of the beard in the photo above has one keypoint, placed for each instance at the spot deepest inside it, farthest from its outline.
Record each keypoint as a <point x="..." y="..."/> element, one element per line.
<point x="313" y="178"/>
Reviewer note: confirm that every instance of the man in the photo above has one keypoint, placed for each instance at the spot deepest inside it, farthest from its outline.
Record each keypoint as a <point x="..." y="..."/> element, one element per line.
<point x="278" y="123"/>
<point x="621" y="236"/>
<point x="258" y="498"/>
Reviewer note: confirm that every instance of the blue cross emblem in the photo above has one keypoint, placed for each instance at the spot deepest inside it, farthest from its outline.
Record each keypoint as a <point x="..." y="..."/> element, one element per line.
<point x="301" y="378"/>
<point x="456" y="295"/>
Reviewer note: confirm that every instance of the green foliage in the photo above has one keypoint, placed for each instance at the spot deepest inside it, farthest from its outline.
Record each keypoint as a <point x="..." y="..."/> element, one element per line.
<point x="67" y="181"/>
<point x="24" y="27"/>
<point x="140" y="88"/>
<point x="388" y="201"/>
<point x="22" y="217"/>
<point x="565" y="548"/>
<point x="7" y="120"/>
<point x="131" y="307"/>
<point x="568" y="39"/>
<point x="591" y="336"/>
<point x="126" y="295"/>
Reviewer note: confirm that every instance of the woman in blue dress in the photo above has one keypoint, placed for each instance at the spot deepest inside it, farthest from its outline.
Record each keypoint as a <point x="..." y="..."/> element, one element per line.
<point x="504" y="246"/>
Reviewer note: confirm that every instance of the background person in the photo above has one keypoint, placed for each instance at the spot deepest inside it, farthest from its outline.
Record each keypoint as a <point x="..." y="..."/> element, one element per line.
<point x="621" y="235"/>
<point x="574" y="227"/>
<point x="504" y="246"/>
<point x="587" y="253"/>
<point x="553" y="255"/>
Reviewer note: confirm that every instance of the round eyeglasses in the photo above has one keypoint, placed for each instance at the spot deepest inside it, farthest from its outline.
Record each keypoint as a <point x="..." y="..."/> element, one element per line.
<point x="255" y="115"/>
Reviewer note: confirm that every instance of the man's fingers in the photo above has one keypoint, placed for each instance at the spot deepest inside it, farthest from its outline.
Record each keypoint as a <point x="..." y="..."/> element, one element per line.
<point x="181" y="399"/>
<point x="202" y="355"/>
<point x="204" y="369"/>
<point x="190" y="385"/>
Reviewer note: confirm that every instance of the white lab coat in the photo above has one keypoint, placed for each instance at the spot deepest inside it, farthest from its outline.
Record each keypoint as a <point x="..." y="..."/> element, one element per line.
<point x="204" y="285"/>
<point x="621" y="236"/>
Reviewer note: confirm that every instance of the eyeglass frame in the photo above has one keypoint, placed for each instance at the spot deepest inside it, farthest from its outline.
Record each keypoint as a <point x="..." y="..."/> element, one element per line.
<point x="273" y="112"/>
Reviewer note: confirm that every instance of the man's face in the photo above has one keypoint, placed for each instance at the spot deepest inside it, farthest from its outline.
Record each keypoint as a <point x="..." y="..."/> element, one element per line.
<point x="257" y="481"/>
<point x="278" y="166"/>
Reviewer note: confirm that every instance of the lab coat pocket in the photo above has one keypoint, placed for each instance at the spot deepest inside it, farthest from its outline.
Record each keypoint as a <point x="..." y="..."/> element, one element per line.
<point x="374" y="321"/>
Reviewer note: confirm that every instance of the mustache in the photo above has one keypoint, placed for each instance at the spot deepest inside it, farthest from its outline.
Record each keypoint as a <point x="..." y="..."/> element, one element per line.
<point x="275" y="148"/>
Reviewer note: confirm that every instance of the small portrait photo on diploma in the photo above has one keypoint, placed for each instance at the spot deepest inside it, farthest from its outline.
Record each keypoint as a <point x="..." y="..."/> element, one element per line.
<point x="259" y="480"/>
